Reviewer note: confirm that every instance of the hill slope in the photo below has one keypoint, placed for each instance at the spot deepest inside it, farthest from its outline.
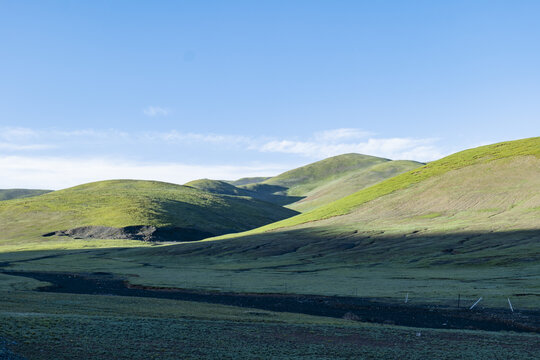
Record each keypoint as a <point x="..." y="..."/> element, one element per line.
<point x="302" y="180"/>
<point x="9" y="194"/>
<point x="218" y="187"/>
<point x="487" y="164"/>
<point x="352" y="182"/>
<point x="319" y="183"/>
<point x="467" y="224"/>
<point x="268" y="193"/>
<point x="105" y="209"/>
<point x="248" y="180"/>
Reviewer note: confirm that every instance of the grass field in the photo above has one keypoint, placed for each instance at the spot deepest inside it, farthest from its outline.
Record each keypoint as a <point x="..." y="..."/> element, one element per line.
<point x="69" y="326"/>
<point x="467" y="225"/>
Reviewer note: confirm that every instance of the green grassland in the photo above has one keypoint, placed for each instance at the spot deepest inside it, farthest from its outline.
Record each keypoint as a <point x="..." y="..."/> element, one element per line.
<point x="466" y="225"/>
<point x="70" y="326"/>
<point x="9" y="194"/>
<point x="121" y="203"/>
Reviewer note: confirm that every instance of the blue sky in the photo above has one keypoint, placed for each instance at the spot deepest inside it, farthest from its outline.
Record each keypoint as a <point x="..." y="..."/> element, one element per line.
<point x="181" y="90"/>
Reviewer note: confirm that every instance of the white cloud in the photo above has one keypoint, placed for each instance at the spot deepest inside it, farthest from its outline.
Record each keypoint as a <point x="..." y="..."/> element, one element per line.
<point x="341" y="134"/>
<point x="392" y="148"/>
<point x="57" y="173"/>
<point x="52" y="158"/>
<point x="23" y="147"/>
<point x="153" y="111"/>
<point x="11" y="134"/>
<point x="175" y="136"/>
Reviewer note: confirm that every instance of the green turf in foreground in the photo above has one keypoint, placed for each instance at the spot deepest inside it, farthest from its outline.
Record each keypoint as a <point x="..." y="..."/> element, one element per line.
<point x="67" y="326"/>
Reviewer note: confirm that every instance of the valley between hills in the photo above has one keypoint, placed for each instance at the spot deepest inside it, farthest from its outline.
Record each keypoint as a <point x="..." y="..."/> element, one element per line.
<point x="350" y="251"/>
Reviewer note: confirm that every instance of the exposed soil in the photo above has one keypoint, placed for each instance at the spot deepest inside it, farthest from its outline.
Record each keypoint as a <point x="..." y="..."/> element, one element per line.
<point x="139" y="232"/>
<point x="352" y="308"/>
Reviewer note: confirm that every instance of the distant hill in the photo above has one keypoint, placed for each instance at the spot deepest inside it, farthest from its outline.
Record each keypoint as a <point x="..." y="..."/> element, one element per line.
<point x="9" y="194"/>
<point x="469" y="222"/>
<point x="248" y="180"/>
<point x="494" y="186"/>
<point x="352" y="182"/>
<point x="218" y="187"/>
<point x="302" y="180"/>
<point x="146" y="210"/>
<point x="321" y="182"/>
<point x="261" y="192"/>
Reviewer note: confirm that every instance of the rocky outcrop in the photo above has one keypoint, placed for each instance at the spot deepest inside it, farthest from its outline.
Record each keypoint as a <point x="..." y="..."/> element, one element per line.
<point x="138" y="232"/>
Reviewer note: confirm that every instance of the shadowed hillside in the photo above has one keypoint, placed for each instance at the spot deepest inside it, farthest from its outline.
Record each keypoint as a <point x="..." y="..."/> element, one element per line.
<point x="261" y="192"/>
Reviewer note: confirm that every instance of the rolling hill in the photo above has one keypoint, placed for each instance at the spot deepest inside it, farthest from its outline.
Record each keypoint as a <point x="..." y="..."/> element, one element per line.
<point x="248" y="180"/>
<point x="351" y="183"/>
<point x="268" y="193"/>
<point x="300" y="181"/>
<point x="499" y="182"/>
<point x="467" y="224"/>
<point x="147" y="210"/>
<point x="316" y="184"/>
<point x="9" y="194"/>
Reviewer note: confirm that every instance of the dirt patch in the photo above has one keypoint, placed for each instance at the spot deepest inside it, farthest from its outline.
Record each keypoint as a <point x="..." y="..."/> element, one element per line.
<point x="139" y="232"/>
<point x="355" y="309"/>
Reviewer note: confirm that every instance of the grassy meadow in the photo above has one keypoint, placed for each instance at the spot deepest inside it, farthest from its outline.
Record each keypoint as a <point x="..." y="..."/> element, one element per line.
<point x="465" y="226"/>
<point x="71" y="326"/>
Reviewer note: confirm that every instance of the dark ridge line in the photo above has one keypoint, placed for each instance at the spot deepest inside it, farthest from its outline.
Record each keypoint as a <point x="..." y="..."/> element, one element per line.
<point x="352" y="308"/>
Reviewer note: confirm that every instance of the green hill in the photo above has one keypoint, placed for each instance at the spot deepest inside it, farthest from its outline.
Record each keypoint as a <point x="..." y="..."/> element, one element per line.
<point x="467" y="224"/>
<point x="218" y="187"/>
<point x="322" y="182"/>
<point x="133" y="209"/>
<point x="302" y="180"/>
<point x="247" y="181"/>
<point x="256" y="191"/>
<point x="509" y="174"/>
<point x="9" y="194"/>
<point x="352" y="182"/>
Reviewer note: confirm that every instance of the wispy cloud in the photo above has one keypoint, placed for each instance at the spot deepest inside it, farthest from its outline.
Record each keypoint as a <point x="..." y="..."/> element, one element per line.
<point x="57" y="173"/>
<point x="176" y="136"/>
<point x="154" y="111"/>
<point x="341" y="134"/>
<point x="22" y="147"/>
<point x="58" y="158"/>
<point x="344" y="141"/>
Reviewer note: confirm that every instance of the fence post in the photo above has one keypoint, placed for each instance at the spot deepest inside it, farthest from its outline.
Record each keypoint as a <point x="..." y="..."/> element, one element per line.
<point x="509" y="303"/>
<point x="477" y="301"/>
